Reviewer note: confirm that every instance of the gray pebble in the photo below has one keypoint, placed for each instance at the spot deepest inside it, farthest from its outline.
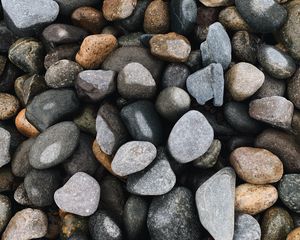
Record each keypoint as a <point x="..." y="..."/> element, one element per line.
<point x="271" y="87"/>
<point x="4" y="147"/>
<point x="194" y="61"/>
<point x="5" y="211"/>
<point x="130" y="40"/>
<point x="246" y="227"/>
<point x="288" y="191"/>
<point x="293" y="88"/>
<point x="175" y="75"/>
<point x="21" y="196"/>
<point x="209" y="159"/>
<point x="7" y="37"/>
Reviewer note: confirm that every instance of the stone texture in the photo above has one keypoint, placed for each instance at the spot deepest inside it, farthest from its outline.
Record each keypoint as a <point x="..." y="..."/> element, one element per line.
<point x="288" y="192"/>
<point x="118" y="9"/>
<point x="209" y="159"/>
<point x="271" y="87"/>
<point x="21" y="197"/>
<point x="68" y="6"/>
<point x="230" y="18"/>
<point x="9" y="106"/>
<point x="25" y="127"/>
<point x="5" y="211"/>
<point x="216" y="3"/>
<point x="4" y="147"/>
<point x="246" y="227"/>
<point x="72" y="224"/>
<point x="293" y="88"/>
<point x="86" y="119"/>
<point x="6" y="179"/>
<point x="294" y="235"/>
<point x="180" y="70"/>
<point x="7" y="38"/>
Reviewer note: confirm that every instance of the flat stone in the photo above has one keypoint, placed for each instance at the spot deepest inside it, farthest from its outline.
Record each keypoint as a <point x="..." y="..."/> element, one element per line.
<point x="5" y="211"/>
<point x="9" y="106"/>
<point x="4" y="147"/>
<point x="288" y="192"/>
<point x="209" y="159"/>
<point x="180" y="70"/>
<point x="207" y="84"/>
<point x="215" y="204"/>
<point x="118" y="9"/>
<point x="80" y="195"/>
<point x="133" y="157"/>
<point x="68" y="6"/>
<point x="271" y="87"/>
<point x="190" y="137"/>
<point x="216" y="3"/>
<point x="293" y="88"/>
<point x="54" y="146"/>
<point x="230" y="18"/>
<point x="173" y="216"/>
<point x="217" y="47"/>
<point x="246" y="227"/>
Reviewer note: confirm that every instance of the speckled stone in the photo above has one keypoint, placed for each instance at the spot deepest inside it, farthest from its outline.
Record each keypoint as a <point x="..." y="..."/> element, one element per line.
<point x="180" y="70"/>
<point x="21" y="197"/>
<point x="9" y="106"/>
<point x="5" y="211"/>
<point x="216" y="3"/>
<point x="288" y="192"/>
<point x="131" y="40"/>
<point x="118" y="9"/>
<point x="209" y="159"/>
<point x="246" y="228"/>
<point x="86" y="119"/>
<point x="294" y="235"/>
<point x="271" y="87"/>
<point x="293" y="88"/>
<point x="72" y="224"/>
<point x="230" y="18"/>
<point x="5" y="139"/>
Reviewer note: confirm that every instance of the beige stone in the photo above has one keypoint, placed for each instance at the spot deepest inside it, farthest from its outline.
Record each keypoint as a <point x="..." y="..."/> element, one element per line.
<point x="25" y="127"/>
<point x="118" y="9"/>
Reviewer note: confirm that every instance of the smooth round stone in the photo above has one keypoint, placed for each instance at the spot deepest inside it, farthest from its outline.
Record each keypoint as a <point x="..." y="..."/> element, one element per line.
<point x="5" y="139"/>
<point x="133" y="157"/>
<point x="136" y="82"/>
<point x="246" y="228"/>
<point x="236" y="114"/>
<point x="271" y="87"/>
<point x="170" y="47"/>
<point x="276" y="110"/>
<point x="26" y="224"/>
<point x="256" y="165"/>
<point x="80" y="195"/>
<point x="183" y="16"/>
<point x="5" y="211"/>
<point x="276" y="224"/>
<point x="190" y="137"/>
<point x="209" y="159"/>
<point x="217" y="47"/>
<point x="54" y="146"/>
<point x="294" y="235"/>
<point x="50" y="107"/>
<point x="172" y="103"/>
<point x="275" y="62"/>
<point x="230" y="18"/>
<point x="68" y="6"/>
<point x="263" y="17"/>
<point x="9" y="106"/>
<point x="7" y="38"/>
<point x="21" y="197"/>
<point x="175" y="75"/>
<point x="25" y="127"/>
<point x="94" y="50"/>
<point x="253" y="199"/>
<point x="116" y="9"/>
<point x="293" y="88"/>
<point x="135" y="217"/>
<point x="288" y="192"/>
<point x="216" y="3"/>
<point x="40" y="186"/>
<point x="173" y="216"/>
<point x="6" y="179"/>
<point x="243" y="80"/>
<point x="156" y="17"/>
<point x="86" y="119"/>
<point x="26" y="17"/>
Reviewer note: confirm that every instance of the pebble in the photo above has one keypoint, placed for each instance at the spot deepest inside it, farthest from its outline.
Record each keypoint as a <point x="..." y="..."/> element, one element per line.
<point x="217" y="47"/>
<point x="294" y="235"/>
<point x="256" y="165"/>
<point x="143" y="122"/>
<point x="288" y="192"/>
<point x="194" y="61"/>
<point x="246" y="228"/>
<point x="243" y="80"/>
<point x="9" y="106"/>
<point x="6" y="179"/>
<point x="54" y="145"/>
<point x="271" y="87"/>
<point x="157" y="179"/>
<point x="207" y="84"/>
<point x="133" y="157"/>
<point x="68" y="6"/>
<point x="72" y="224"/>
<point x="62" y="74"/>
<point x="136" y="82"/>
<point x="21" y="197"/>
<point x="230" y="18"/>
<point x="216" y="3"/>
<point x="263" y="17"/>
<point x="26" y="224"/>
<point x="111" y="132"/>
<point x="25" y="127"/>
<point x="276" y="110"/>
<point x="215" y="204"/>
<point x="94" y="50"/>
<point x="86" y="119"/>
<point x="118" y="9"/>
<point x="131" y="39"/>
<point x="293" y="88"/>
<point x="156" y="18"/>
<point x="190" y="137"/>
<point x="5" y="211"/>
<point x="180" y="70"/>
<point x="80" y="195"/>
<point x="40" y="186"/>
<point x="4" y="147"/>
<point x="253" y="199"/>
<point x="173" y="216"/>
<point x="276" y="224"/>
<point x="209" y="159"/>
<point x="170" y="47"/>
<point x="16" y="137"/>
<point x="275" y="62"/>
<point x="7" y="38"/>
<point x="25" y="17"/>
<point x="50" y="107"/>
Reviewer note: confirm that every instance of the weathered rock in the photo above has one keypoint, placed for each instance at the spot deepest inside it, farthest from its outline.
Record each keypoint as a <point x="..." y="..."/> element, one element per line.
<point x="86" y="119"/>
<point x="25" y="127"/>
<point x="179" y="70"/>
<point x="271" y="87"/>
<point x="294" y="235"/>
<point x="21" y="197"/>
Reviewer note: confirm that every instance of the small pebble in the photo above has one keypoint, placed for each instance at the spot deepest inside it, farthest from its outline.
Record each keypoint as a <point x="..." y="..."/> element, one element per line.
<point x="25" y="127"/>
<point x="21" y="197"/>
<point x="246" y="228"/>
<point x="118" y="9"/>
<point x="209" y="159"/>
<point x="293" y="88"/>
<point x="72" y="224"/>
<point x="9" y="106"/>
<point x="5" y="211"/>
<point x="288" y="191"/>
<point x="86" y="119"/>
<point x="180" y="70"/>
<point x="4" y="147"/>
<point x="230" y="18"/>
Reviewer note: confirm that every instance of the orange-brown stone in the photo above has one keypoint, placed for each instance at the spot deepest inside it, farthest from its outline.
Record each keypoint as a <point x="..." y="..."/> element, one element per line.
<point x="118" y="9"/>
<point x="25" y="127"/>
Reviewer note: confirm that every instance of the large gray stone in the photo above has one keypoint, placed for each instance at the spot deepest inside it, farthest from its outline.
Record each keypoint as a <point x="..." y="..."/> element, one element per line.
<point x="246" y="227"/>
<point x="4" y="147"/>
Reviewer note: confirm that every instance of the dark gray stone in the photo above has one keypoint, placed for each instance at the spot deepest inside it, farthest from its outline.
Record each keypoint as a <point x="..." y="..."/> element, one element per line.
<point x="130" y="40"/>
<point x="246" y="227"/>
<point x="288" y="190"/>
<point x="209" y="159"/>
<point x="221" y="128"/>
<point x="239" y="141"/>
<point x="8" y="77"/>
<point x="7" y="38"/>
<point x="4" y="147"/>
<point x="175" y="75"/>
<point x="271" y="87"/>
<point x="7" y="179"/>
<point x="5" y="211"/>
<point x="68" y="6"/>
<point x="194" y="61"/>
<point x="293" y="88"/>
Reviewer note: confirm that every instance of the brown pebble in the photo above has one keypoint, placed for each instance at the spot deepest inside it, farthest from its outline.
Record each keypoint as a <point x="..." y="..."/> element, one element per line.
<point x="232" y="20"/>
<point x="294" y="235"/>
<point x="118" y="9"/>
<point x="216" y="3"/>
<point x="25" y="127"/>
<point x="253" y="199"/>
<point x="9" y="106"/>
<point x="94" y="49"/>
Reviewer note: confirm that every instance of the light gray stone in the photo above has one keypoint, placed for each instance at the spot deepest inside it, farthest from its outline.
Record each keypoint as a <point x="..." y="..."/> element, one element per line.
<point x="5" y="211"/>
<point x="246" y="227"/>
<point x="4" y="147"/>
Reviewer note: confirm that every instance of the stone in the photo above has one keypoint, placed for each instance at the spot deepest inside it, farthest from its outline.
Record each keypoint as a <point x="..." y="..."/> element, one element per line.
<point x="50" y="107"/>
<point x="275" y="62"/>
<point x="172" y="103"/>
<point x="215" y="204"/>
<point x="25" y="127"/>
<point x="26" y="224"/>
<point x="86" y="119"/>
<point x="209" y="159"/>
<point x="173" y="216"/>
<point x="271" y="87"/>
<point x="68" y="6"/>
<point x="288" y="193"/>
<point x="293" y="88"/>
<point x="170" y="47"/>
<point x="230" y="18"/>
<point x="26" y="17"/>
<point x="136" y="82"/>
<point x="157" y="179"/>
<point x="8" y="77"/>
<point x="16" y="138"/>
<point x="207" y="84"/>
<point x="180" y="70"/>
<point x="194" y="61"/>
<point x="5" y="139"/>
<point x="40" y="186"/>
<point x="246" y="227"/>
<point x="156" y="17"/>
<point x="276" y="224"/>
<point x="9" y="106"/>
<point x="21" y="197"/>
<point x="262" y="17"/>
<point x="216" y="3"/>
<point x="54" y="145"/>
<point x="7" y="38"/>
<point x="143" y="122"/>
<point x="94" y="50"/>
<point x="243" y="80"/>
<point x="190" y="137"/>
<point x="276" y="110"/>
<point x="294" y="235"/>
<point x="80" y="195"/>
<point x="118" y="9"/>
<point x="133" y="157"/>
<point x="183" y="16"/>
<point x="5" y="211"/>
<point x="72" y="224"/>
<point x="6" y="179"/>
<point x="131" y="39"/>
<point x="239" y="141"/>
<point x="256" y="165"/>
<point x="253" y="199"/>
<point x="111" y="132"/>
<point x="217" y="47"/>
